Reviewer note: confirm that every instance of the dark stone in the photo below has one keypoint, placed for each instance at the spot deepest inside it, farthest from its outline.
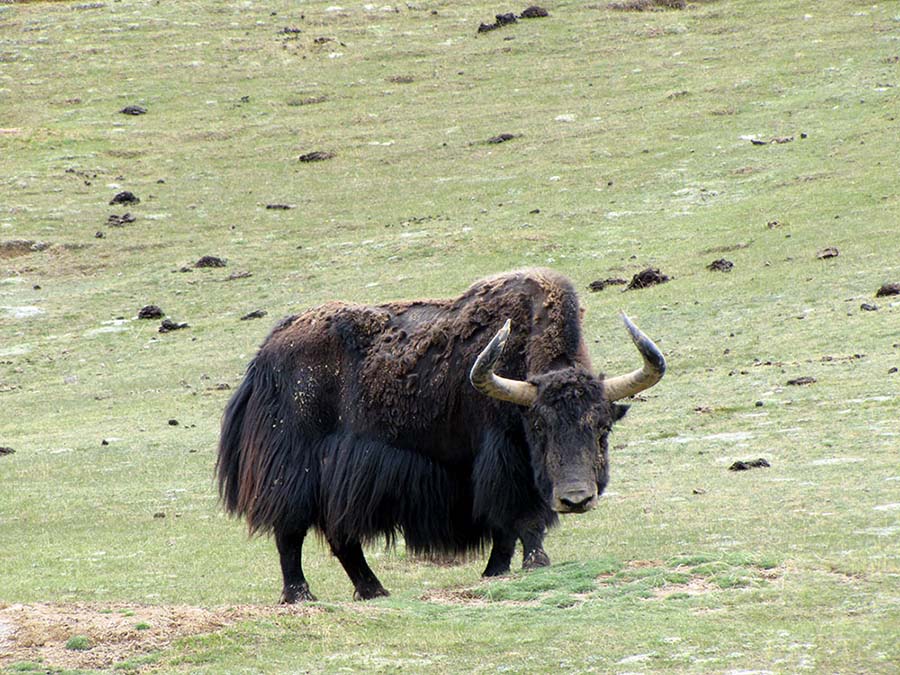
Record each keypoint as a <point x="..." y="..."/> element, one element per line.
<point x="255" y="314"/>
<point x="866" y="307"/>
<point x="133" y="110"/>
<point x="6" y="451"/>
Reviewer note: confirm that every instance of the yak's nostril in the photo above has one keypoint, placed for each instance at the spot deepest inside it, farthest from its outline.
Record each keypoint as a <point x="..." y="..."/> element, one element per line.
<point x="574" y="504"/>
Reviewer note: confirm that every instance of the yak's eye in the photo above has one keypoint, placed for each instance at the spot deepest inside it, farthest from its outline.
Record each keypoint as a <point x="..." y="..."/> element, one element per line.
<point x="536" y="426"/>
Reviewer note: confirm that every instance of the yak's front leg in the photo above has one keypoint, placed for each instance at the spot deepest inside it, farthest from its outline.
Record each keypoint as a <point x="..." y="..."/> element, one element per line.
<point x="501" y="553"/>
<point x="290" y="550"/>
<point x="354" y="562"/>
<point x="533" y="553"/>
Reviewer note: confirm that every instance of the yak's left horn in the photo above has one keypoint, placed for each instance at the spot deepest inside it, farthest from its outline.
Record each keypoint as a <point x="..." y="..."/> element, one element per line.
<point x="654" y="367"/>
<point x="485" y="380"/>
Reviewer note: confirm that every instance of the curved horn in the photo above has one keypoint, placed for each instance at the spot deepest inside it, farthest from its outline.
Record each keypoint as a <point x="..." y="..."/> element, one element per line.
<point x="654" y="367"/>
<point x="487" y="382"/>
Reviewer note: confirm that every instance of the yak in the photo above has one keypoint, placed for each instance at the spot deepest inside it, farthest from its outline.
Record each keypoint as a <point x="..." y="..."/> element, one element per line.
<point x="456" y="424"/>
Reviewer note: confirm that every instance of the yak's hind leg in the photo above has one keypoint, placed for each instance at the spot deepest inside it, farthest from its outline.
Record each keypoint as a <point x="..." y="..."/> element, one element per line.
<point x="501" y="553"/>
<point x="290" y="550"/>
<point x="350" y="554"/>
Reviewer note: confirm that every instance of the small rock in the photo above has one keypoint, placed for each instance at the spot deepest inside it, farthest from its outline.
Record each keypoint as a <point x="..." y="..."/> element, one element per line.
<point x="133" y="110"/>
<point x="104" y="442"/>
<point x="125" y="197"/>
<point x="159" y="514"/>
<point x="173" y="422"/>
<point x="278" y="207"/>
<point x="866" y="307"/>
<point x="830" y="252"/>
<point x="760" y="404"/>
<point x="698" y="491"/>
<point x="255" y="314"/>
<point x="99" y="235"/>
<point x="752" y="464"/>
<point x="756" y="141"/>
<point x="210" y="261"/>
<point x="800" y="381"/>
<point x="6" y="451"/>
<point x="150" y="312"/>
<point x="893" y="370"/>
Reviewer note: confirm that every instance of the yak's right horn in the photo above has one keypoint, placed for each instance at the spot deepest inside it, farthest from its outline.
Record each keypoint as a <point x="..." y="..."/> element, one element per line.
<point x="485" y="380"/>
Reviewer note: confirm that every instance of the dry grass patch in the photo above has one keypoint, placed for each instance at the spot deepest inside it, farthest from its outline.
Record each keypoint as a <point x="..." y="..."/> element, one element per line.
<point x="112" y="633"/>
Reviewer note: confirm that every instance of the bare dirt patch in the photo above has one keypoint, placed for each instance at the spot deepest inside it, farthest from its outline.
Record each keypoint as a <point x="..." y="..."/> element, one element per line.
<point x="16" y="247"/>
<point x="697" y="585"/>
<point x="39" y="632"/>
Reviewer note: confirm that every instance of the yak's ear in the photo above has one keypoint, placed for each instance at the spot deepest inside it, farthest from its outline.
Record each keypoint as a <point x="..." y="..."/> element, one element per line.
<point x="619" y="411"/>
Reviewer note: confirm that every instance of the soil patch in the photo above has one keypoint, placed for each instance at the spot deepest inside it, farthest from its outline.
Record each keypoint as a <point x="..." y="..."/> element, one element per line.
<point x="16" y="247"/>
<point x="888" y="289"/>
<point x="39" y="632"/>
<point x="648" y="277"/>
<point x="647" y="5"/>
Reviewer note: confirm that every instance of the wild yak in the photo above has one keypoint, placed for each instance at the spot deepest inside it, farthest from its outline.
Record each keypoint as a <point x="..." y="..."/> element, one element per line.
<point x="408" y="418"/>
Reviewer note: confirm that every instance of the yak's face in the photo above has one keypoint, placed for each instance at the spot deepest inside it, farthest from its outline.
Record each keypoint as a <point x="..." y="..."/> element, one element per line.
<point x="567" y="428"/>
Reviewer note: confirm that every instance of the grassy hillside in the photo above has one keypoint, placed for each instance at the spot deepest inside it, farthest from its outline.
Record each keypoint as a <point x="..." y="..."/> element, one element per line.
<point x="632" y="146"/>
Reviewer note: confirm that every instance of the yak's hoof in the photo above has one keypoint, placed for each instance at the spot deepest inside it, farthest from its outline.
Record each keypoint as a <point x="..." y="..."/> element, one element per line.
<point x="536" y="558"/>
<point x="496" y="571"/>
<point x="293" y="593"/>
<point x="369" y="592"/>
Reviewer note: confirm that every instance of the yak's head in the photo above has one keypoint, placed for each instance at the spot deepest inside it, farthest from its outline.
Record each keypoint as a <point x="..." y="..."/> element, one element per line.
<point x="568" y="414"/>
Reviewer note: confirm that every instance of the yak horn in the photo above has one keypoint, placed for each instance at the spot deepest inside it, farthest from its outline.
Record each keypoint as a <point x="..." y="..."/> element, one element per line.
<point x="622" y="386"/>
<point x="487" y="382"/>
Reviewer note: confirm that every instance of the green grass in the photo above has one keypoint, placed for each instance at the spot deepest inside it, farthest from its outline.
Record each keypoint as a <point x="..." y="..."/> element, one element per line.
<point x="633" y="142"/>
